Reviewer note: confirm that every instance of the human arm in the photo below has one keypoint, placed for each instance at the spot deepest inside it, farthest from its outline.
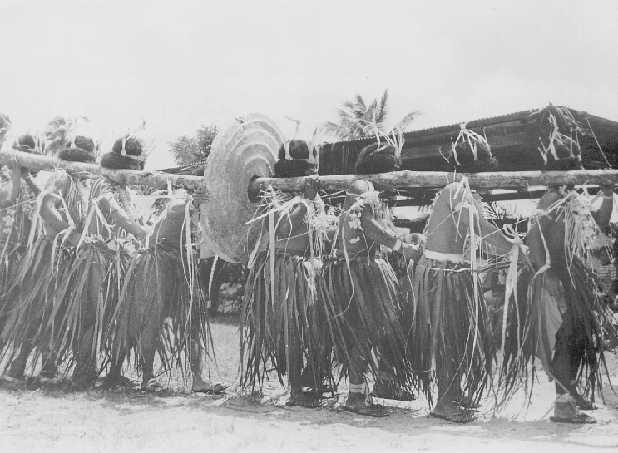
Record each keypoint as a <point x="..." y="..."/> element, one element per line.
<point x="377" y="231"/>
<point x="120" y="218"/>
<point x="292" y="223"/>
<point x="50" y="203"/>
<point x="10" y="191"/>
<point x="604" y="213"/>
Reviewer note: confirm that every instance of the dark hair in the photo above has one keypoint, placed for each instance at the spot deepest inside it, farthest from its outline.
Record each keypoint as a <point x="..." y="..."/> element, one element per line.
<point x="471" y="162"/>
<point x="132" y="146"/>
<point x="298" y="149"/>
<point x="85" y="143"/>
<point x="293" y="168"/>
<point x="76" y="155"/>
<point x="25" y="143"/>
<point x="376" y="158"/>
<point x="571" y="163"/>
<point x="114" y="161"/>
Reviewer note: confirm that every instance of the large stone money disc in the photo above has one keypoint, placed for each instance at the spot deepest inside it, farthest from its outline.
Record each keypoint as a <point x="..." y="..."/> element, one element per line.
<point x="244" y="151"/>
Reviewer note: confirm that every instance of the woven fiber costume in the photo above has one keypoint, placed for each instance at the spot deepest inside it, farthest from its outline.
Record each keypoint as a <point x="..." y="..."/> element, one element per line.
<point x="361" y="295"/>
<point x="570" y="320"/>
<point x="91" y="290"/>
<point x="361" y="292"/>
<point x="161" y="282"/>
<point x="451" y="339"/>
<point x="280" y="312"/>
<point x="17" y="201"/>
<point x="33" y="319"/>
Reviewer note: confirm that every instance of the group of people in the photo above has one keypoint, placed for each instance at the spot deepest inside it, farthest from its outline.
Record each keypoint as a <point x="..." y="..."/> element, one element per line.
<point x="322" y="301"/>
<point x="85" y="284"/>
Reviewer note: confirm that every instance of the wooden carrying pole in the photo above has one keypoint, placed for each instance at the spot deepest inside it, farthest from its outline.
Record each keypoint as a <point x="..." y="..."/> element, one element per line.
<point x="154" y="179"/>
<point x="484" y="181"/>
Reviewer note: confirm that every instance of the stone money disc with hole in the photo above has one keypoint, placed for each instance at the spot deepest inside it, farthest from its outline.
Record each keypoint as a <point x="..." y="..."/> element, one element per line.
<point x="245" y="150"/>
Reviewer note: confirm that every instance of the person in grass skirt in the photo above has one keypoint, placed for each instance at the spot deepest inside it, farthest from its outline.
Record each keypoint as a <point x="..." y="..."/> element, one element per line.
<point x="50" y="246"/>
<point x="17" y="205"/>
<point x="360" y="291"/>
<point x="572" y="326"/>
<point x="111" y="233"/>
<point x="280" y="312"/>
<point x="161" y="283"/>
<point x="17" y="199"/>
<point x="451" y="339"/>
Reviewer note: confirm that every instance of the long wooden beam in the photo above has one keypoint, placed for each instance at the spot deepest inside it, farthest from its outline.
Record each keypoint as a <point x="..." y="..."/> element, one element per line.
<point x="154" y="179"/>
<point x="520" y="181"/>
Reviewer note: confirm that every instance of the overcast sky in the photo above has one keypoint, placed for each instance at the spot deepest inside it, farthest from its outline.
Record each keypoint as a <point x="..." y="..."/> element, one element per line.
<point x="179" y="64"/>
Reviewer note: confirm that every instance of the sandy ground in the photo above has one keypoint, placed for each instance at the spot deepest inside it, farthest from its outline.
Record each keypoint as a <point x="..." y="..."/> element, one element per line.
<point x="33" y="420"/>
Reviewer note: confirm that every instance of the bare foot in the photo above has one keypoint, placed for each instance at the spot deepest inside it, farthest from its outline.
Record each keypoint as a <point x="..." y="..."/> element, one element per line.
<point x="304" y="399"/>
<point x="358" y="404"/>
<point x="454" y="414"/>
<point x="152" y="385"/>
<point x="201" y="386"/>
<point x="566" y="411"/>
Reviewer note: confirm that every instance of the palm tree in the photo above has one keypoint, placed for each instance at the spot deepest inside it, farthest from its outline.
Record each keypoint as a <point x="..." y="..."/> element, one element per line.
<point x="357" y="119"/>
<point x="190" y="149"/>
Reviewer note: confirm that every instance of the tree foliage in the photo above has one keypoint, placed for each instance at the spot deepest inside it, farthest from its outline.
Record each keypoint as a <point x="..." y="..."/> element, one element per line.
<point x="189" y="149"/>
<point x="359" y="119"/>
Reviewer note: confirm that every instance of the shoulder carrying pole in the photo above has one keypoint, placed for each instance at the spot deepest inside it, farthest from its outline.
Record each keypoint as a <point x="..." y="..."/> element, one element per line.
<point x="405" y="179"/>
<point x="154" y="179"/>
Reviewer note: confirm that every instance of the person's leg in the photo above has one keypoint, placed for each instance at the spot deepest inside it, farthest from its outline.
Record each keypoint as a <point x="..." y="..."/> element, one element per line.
<point x="295" y="371"/>
<point x="84" y="349"/>
<point x="578" y="349"/>
<point x="449" y="404"/>
<point x="565" y="407"/>
<point x="356" y="390"/>
<point x="148" y="351"/>
<point x="17" y="367"/>
<point x="49" y="365"/>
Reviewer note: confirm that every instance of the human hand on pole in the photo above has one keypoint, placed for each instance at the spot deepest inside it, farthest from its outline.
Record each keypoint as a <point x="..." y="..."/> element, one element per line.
<point x="199" y="197"/>
<point x="410" y="252"/>
<point x="607" y="190"/>
<point x="311" y="187"/>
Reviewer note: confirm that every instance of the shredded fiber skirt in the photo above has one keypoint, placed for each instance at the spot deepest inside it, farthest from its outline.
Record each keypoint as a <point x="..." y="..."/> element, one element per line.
<point x="575" y="313"/>
<point x="451" y="338"/>
<point x="86" y="298"/>
<point x="14" y="231"/>
<point x="159" y="284"/>
<point x="30" y="307"/>
<point x="11" y="254"/>
<point x="281" y="320"/>
<point x="364" y="314"/>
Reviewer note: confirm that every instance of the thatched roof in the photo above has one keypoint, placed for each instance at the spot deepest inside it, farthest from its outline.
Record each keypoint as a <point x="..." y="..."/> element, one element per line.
<point x="514" y="140"/>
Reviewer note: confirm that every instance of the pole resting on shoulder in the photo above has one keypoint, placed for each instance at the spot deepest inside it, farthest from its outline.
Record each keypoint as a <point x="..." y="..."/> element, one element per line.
<point x="155" y="179"/>
<point x="404" y="179"/>
<point x="407" y="179"/>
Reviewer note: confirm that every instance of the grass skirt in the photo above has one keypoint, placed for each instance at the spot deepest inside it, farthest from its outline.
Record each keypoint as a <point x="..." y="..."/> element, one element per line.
<point x="30" y="307"/>
<point x="288" y="328"/>
<point x="85" y="300"/>
<point x="451" y="329"/>
<point x="361" y="299"/>
<point x="157" y="285"/>
<point x="576" y="311"/>
<point x="15" y="226"/>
